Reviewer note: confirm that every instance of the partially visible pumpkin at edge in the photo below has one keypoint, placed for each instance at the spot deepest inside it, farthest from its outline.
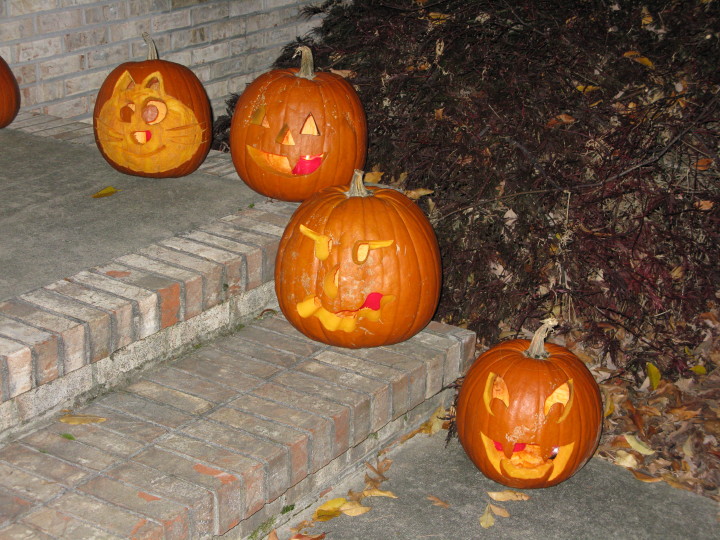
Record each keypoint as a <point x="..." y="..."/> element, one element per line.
<point x="9" y="95"/>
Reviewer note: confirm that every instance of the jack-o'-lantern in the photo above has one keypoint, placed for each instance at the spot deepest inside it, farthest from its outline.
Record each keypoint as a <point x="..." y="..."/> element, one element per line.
<point x="358" y="267"/>
<point x="9" y="95"/>
<point x="295" y="131"/>
<point x="529" y="414"/>
<point x="152" y="118"/>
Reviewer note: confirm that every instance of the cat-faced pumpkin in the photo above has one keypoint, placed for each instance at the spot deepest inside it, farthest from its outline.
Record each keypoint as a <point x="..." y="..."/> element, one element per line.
<point x="153" y="118"/>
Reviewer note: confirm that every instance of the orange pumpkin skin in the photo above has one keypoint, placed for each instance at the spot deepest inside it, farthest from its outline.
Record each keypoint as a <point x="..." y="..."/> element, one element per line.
<point x="295" y="132"/>
<point x="358" y="271"/>
<point x="527" y="422"/>
<point x="9" y="95"/>
<point x="169" y="142"/>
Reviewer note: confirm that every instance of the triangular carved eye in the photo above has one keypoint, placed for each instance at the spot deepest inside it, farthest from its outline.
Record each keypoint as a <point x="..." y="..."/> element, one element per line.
<point x="310" y="127"/>
<point x="495" y="388"/>
<point x="563" y="395"/>
<point x="258" y="117"/>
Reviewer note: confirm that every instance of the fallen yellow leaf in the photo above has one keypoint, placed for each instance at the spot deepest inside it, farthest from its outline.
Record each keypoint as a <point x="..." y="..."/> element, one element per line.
<point x="435" y="422"/>
<point x="105" y="192"/>
<point x="499" y="510"/>
<point x="353" y="508"/>
<point x="585" y="88"/>
<point x="329" y="509"/>
<point x="609" y="406"/>
<point x="437" y="502"/>
<point x="637" y="445"/>
<point x="417" y="193"/>
<point x="704" y="206"/>
<point x="487" y="520"/>
<point x="625" y="459"/>
<point x="80" y="419"/>
<point x="654" y="374"/>
<point x="640" y="59"/>
<point x="373" y="177"/>
<point x="647" y="18"/>
<point x="508" y="495"/>
<point x="344" y="73"/>
<point x="375" y="492"/>
<point x="700" y="370"/>
<point x="438" y="18"/>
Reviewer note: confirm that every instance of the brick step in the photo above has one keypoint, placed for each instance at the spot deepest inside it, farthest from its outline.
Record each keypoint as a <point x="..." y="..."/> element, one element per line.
<point x="74" y="338"/>
<point x="233" y="437"/>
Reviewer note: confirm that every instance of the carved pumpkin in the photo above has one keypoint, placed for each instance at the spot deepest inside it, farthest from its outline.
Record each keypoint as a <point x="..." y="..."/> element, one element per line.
<point x="358" y="267"/>
<point x="9" y="95"/>
<point x="153" y="118"/>
<point x="529" y="414"/>
<point x="294" y="132"/>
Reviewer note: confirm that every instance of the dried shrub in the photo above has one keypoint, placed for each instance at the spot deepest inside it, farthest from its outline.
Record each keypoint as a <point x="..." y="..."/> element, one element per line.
<point x="572" y="150"/>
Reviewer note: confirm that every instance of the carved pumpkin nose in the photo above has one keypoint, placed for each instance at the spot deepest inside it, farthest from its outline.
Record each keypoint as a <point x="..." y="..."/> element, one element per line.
<point x="285" y="137"/>
<point x="142" y="136"/>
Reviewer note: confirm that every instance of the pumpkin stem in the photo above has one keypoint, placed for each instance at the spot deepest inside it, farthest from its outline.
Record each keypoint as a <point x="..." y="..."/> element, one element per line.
<point x="357" y="186"/>
<point x="152" y="53"/>
<point x="307" y="65"/>
<point x="537" y="345"/>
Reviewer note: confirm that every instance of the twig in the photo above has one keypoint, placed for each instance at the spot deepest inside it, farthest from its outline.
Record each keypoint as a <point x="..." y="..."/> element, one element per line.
<point x="499" y="198"/>
<point x="665" y="149"/>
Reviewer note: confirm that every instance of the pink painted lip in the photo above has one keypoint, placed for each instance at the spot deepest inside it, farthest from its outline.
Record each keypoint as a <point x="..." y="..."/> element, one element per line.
<point x="518" y="447"/>
<point x="307" y="164"/>
<point x="372" y="301"/>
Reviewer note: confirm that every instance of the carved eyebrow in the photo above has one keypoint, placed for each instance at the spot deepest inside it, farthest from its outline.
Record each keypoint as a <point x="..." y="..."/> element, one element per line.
<point x="363" y="247"/>
<point x="563" y="394"/>
<point x="322" y="242"/>
<point x="495" y="388"/>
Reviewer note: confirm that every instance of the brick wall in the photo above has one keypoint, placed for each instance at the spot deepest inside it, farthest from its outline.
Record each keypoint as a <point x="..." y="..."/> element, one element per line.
<point x="62" y="50"/>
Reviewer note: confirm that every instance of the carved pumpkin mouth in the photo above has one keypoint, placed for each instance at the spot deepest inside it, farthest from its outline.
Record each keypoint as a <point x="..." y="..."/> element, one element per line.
<point x="344" y="320"/>
<point x="526" y="461"/>
<point x="305" y="165"/>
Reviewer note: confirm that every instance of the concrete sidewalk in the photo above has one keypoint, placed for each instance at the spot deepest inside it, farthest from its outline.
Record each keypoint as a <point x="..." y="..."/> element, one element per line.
<point x="602" y="501"/>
